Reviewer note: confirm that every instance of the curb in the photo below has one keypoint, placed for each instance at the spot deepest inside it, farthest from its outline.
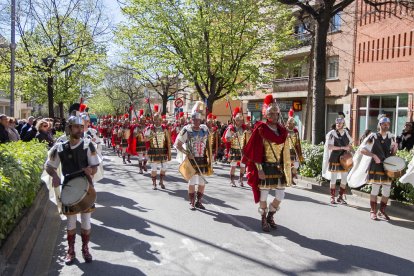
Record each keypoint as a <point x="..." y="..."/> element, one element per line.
<point x="395" y="208"/>
<point x="18" y="246"/>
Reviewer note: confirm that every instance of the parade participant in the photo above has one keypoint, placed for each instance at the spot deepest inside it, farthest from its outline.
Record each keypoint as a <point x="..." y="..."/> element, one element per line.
<point x="194" y="143"/>
<point x="369" y="167"/>
<point x="124" y="133"/>
<point x="159" y="151"/>
<point x="109" y="132"/>
<point x="78" y="157"/>
<point x="338" y="141"/>
<point x="267" y="156"/>
<point x="408" y="177"/>
<point x="233" y="138"/>
<point x="137" y="142"/>
<point x="116" y="138"/>
<point x="214" y="134"/>
<point x="296" y="156"/>
<point x="178" y="125"/>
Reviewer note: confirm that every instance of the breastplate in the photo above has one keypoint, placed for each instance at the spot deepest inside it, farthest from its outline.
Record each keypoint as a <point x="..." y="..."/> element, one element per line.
<point x="272" y="149"/>
<point x="238" y="140"/>
<point x="157" y="139"/>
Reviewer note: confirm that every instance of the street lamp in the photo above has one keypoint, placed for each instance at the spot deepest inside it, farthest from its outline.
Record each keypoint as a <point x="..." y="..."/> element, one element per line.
<point x="13" y="55"/>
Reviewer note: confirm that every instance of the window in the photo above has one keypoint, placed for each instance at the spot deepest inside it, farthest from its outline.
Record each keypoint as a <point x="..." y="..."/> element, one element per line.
<point x="333" y="67"/>
<point x="335" y="23"/>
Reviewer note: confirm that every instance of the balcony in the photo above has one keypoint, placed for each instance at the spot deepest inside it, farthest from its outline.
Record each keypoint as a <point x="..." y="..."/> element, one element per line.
<point x="291" y="84"/>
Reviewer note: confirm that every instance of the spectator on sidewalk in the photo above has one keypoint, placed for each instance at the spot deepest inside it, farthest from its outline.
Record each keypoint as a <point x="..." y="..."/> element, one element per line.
<point x="406" y="139"/>
<point x="43" y="135"/>
<point x="11" y="129"/>
<point x="4" y="123"/>
<point x="31" y="133"/>
<point x="27" y="126"/>
<point x="20" y="125"/>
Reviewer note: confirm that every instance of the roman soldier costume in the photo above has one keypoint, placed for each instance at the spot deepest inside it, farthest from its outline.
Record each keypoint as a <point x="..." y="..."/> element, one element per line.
<point x="296" y="156"/>
<point x="74" y="159"/>
<point x="124" y="133"/>
<point x="214" y="134"/>
<point x="159" y="151"/>
<point x="234" y="140"/>
<point x="178" y="125"/>
<point x="338" y="142"/>
<point x="194" y="140"/>
<point x="267" y="156"/>
<point x="369" y="166"/>
<point x="137" y="145"/>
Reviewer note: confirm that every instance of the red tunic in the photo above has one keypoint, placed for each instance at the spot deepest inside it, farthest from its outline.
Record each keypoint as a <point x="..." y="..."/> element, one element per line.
<point x="253" y="152"/>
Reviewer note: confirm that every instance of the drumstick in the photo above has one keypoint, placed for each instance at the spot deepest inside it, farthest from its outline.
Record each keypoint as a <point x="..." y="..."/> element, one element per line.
<point x="390" y="164"/>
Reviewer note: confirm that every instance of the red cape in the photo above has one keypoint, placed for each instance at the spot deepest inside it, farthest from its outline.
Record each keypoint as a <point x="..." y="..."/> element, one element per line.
<point x="253" y="152"/>
<point x="132" y="141"/>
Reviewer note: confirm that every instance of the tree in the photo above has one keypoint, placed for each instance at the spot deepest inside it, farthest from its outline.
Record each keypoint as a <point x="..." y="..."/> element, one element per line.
<point x="217" y="45"/>
<point x="120" y="90"/>
<point x="60" y="41"/>
<point x="321" y="12"/>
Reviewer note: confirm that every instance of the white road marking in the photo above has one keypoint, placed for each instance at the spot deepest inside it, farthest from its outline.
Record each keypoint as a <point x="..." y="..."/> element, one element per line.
<point x="192" y="248"/>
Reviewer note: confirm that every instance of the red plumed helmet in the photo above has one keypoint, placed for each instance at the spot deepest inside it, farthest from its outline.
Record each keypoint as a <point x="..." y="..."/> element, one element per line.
<point x="164" y="116"/>
<point x="236" y="111"/>
<point x="210" y="116"/>
<point x="268" y="99"/>
<point x="141" y="112"/>
<point x="214" y="117"/>
<point x="156" y="108"/>
<point x="126" y="115"/>
<point x="248" y="118"/>
<point x="291" y="112"/>
<point x="181" y="114"/>
<point x="82" y="108"/>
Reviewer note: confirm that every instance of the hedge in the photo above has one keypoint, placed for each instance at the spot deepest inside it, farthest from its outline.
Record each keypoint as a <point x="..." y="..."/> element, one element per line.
<point x="313" y="155"/>
<point x="21" y="165"/>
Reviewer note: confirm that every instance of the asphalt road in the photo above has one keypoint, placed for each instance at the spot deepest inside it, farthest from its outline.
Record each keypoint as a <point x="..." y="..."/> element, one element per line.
<point x="139" y="231"/>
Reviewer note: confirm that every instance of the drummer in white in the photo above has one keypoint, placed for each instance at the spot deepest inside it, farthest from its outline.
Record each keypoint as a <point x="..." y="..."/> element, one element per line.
<point x="78" y="157"/>
<point x="369" y="166"/>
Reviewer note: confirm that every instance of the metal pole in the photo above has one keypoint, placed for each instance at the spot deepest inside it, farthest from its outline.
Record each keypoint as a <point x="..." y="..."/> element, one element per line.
<point x="12" y="50"/>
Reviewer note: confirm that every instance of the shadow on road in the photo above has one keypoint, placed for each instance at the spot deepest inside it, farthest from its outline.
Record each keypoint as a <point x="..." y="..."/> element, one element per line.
<point x="110" y="200"/>
<point x="103" y="268"/>
<point x="347" y="257"/>
<point x="119" y="219"/>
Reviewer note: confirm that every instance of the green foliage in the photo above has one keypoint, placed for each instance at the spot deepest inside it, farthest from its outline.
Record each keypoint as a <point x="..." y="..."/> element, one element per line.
<point x="313" y="155"/>
<point x="21" y="165"/>
<point x="218" y="45"/>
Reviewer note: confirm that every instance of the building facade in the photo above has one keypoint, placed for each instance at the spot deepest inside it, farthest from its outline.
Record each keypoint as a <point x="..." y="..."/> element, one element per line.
<point x="384" y="67"/>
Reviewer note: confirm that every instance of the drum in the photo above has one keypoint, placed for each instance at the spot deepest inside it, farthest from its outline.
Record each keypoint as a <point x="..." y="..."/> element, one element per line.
<point x="346" y="160"/>
<point x="186" y="169"/>
<point x="394" y="166"/>
<point x="78" y="195"/>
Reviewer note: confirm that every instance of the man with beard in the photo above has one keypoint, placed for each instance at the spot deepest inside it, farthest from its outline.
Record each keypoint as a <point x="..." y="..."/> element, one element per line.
<point x="193" y="141"/>
<point x="369" y="166"/>
<point x="78" y="158"/>
<point x="267" y="157"/>
<point x="338" y="141"/>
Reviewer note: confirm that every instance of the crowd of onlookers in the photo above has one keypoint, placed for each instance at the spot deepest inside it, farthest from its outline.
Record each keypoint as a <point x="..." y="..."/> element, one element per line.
<point x="42" y="129"/>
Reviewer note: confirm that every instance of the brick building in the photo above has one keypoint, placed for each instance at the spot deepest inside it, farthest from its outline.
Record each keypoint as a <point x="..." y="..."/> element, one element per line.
<point x="384" y="67"/>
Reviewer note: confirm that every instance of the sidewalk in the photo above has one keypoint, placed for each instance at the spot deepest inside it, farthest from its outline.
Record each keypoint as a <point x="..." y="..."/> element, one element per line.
<point x="357" y="198"/>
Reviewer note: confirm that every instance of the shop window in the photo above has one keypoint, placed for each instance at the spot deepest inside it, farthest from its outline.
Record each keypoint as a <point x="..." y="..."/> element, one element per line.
<point x="403" y="101"/>
<point x="333" y="67"/>
<point x="362" y="115"/>
<point x="374" y="102"/>
<point x="401" y="120"/>
<point x="362" y="102"/>
<point x="389" y="102"/>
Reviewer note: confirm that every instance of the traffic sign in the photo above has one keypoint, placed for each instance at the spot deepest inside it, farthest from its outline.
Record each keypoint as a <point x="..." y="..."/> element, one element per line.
<point x="179" y="102"/>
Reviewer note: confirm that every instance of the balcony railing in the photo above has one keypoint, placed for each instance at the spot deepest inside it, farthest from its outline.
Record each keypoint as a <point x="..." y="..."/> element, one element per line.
<point x="291" y="84"/>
